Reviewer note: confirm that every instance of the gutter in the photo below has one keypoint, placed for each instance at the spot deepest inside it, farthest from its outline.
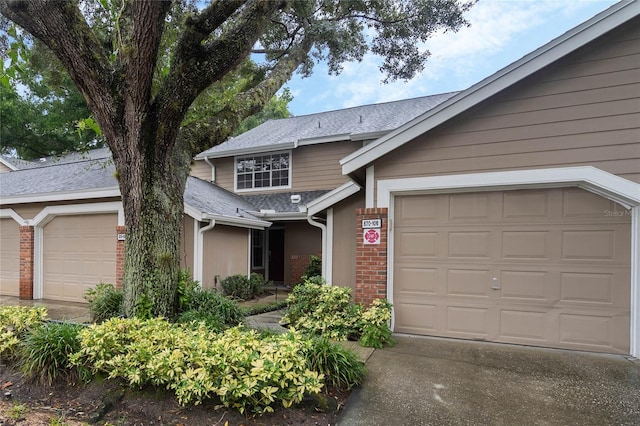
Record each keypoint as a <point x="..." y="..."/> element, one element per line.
<point x="199" y="251"/>
<point x="323" y="228"/>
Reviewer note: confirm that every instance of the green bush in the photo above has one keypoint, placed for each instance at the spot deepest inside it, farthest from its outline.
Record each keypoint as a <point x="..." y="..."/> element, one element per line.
<point x="15" y="322"/>
<point x="328" y="311"/>
<point x="237" y="286"/>
<point x="340" y="366"/>
<point x="193" y="318"/>
<point x="105" y="301"/>
<point x="256" y="284"/>
<point x="210" y="305"/>
<point x="374" y="325"/>
<point x="245" y="370"/>
<point x="44" y="352"/>
<point x="314" y="268"/>
<point x="186" y="287"/>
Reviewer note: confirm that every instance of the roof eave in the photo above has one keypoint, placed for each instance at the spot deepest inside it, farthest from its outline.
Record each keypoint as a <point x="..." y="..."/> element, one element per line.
<point x="332" y="197"/>
<point x="62" y="196"/>
<point x="554" y="50"/>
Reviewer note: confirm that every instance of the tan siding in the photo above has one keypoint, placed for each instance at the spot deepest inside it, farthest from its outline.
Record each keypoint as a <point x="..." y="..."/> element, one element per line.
<point x="584" y="110"/>
<point x="224" y="173"/>
<point x="344" y="240"/>
<point x="314" y="167"/>
<point x="4" y="168"/>
<point x="300" y="239"/>
<point x="318" y="166"/>
<point x="186" y="244"/>
<point x="225" y="253"/>
<point x="201" y="169"/>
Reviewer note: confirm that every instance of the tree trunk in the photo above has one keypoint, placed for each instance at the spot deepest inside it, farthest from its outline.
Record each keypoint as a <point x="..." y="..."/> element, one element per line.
<point x="153" y="207"/>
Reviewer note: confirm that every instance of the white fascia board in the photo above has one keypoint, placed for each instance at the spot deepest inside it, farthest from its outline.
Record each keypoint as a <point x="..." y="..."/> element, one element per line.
<point x="246" y="151"/>
<point x="193" y="212"/>
<point x="8" y="164"/>
<point x="281" y="216"/>
<point x="62" y="196"/>
<point x="332" y="197"/>
<point x="324" y="139"/>
<point x="506" y="77"/>
<point x="605" y="184"/>
<point x="10" y="213"/>
<point x="369" y="136"/>
<point x="48" y="213"/>
<point x="238" y="222"/>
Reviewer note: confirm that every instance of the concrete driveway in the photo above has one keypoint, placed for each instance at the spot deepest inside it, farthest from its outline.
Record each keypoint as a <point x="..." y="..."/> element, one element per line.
<point x="429" y="381"/>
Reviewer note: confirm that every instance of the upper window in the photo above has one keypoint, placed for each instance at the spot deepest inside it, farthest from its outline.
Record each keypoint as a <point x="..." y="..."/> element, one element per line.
<point x="263" y="171"/>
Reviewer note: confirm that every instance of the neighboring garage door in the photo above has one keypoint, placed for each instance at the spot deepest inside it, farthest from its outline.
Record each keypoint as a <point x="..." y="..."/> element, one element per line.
<point x="79" y="252"/>
<point x="9" y="257"/>
<point x="536" y="267"/>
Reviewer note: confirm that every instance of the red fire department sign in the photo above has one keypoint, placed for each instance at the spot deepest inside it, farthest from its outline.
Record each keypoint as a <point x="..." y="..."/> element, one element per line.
<point x="372" y="236"/>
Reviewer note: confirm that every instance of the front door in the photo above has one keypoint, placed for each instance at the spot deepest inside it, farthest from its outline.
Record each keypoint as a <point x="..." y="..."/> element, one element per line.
<point x="276" y="255"/>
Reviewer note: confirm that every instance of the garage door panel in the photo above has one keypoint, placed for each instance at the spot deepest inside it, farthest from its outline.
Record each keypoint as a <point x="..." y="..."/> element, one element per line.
<point x="528" y="285"/>
<point x="468" y="282"/>
<point x="416" y="318"/>
<point x="473" y="321"/>
<point x="540" y="267"/>
<point x="470" y="244"/>
<point x="419" y="280"/>
<point x="523" y="325"/>
<point x="525" y="205"/>
<point x="525" y="244"/>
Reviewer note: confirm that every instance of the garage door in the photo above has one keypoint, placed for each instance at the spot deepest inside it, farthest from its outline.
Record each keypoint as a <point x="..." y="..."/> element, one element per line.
<point x="536" y="267"/>
<point x="79" y="252"/>
<point x="9" y="257"/>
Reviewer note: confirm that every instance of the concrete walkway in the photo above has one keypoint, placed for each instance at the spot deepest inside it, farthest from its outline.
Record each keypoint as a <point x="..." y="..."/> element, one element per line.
<point x="429" y="381"/>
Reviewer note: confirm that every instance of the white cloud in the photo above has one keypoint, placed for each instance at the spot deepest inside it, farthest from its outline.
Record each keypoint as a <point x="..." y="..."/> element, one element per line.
<point x="501" y="32"/>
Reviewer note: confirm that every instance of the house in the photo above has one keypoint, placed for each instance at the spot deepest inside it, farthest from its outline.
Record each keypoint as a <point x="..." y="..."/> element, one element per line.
<point x="507" y="212"/>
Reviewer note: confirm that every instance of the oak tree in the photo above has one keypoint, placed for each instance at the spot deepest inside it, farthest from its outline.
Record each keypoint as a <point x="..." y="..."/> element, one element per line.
<point x="139" y="84"/>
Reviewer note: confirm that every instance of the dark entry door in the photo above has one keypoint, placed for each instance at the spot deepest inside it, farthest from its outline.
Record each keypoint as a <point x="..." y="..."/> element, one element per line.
<point x="276" y="255"/>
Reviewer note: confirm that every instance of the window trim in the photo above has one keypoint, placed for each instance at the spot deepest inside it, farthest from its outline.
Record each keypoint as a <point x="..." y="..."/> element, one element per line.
<point x="265" y="188"/>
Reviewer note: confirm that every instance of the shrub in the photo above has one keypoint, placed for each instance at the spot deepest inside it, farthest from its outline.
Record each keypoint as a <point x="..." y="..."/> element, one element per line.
<point x="314" y="268"/>
<point x="44" y="352"/>
<point x="210" y="304"/>
<point x="15" y="321"/>
<point x="328" y="311"/>
<point x="340" y="366"/>
<point x="186" y="287"/>
<point x="245" y="370"/>
<point x="256" y="284"/>
<point x="105" y="301"/>
<point x="374" y="325"/>
<point x="193" y="318"/>
<point x="237" y="286"/>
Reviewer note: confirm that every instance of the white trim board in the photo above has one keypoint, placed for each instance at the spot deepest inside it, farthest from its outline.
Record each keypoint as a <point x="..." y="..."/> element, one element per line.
<point x="11" y="214"/>
<point x="588" y="178"/>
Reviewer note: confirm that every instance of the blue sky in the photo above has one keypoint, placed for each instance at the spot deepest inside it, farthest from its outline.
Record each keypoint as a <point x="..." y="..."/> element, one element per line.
<point x="501" y="32"/>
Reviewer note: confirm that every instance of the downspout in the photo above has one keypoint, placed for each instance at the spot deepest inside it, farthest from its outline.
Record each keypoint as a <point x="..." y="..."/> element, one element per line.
<point x="213" y="169"/>
<point x="323" y="228"/>
<point x="198" y="273"/>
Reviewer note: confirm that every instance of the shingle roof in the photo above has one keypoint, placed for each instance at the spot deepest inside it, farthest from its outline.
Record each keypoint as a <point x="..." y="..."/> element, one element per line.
<point x="70" y="157"/>
<point x="99" y="174"/>
<point x="350" y="122"/>
<point x="65" y="177"/>
<point x="281" y="202"/>
<point x="210" y="198"/>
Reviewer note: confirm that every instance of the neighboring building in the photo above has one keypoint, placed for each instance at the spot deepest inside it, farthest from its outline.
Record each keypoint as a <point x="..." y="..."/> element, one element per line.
<point x="508" y="212"/>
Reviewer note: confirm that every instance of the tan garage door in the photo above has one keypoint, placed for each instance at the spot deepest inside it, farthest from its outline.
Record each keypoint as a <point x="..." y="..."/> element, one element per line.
<point x="79" y="252"/>
<point x="9" y="257"/>
<point x="536" y="267"/>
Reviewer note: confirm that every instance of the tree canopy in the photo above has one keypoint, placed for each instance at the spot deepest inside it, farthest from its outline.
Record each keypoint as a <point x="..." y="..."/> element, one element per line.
<point x="140" y="65"/>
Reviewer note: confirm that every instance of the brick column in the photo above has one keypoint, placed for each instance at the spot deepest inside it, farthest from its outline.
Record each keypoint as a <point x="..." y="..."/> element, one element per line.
<point x="26" y="262"/>
<point x="120" y="230"/>
<point x="371" y="259"/>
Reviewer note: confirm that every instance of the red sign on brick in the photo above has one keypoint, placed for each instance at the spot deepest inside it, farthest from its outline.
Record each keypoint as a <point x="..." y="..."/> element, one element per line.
<point x="372" y="236"/>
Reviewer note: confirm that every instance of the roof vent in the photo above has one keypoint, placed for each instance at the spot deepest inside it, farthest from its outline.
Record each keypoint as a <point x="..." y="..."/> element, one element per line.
<point x="295" y="198"/>
<point x="42" y="160"/>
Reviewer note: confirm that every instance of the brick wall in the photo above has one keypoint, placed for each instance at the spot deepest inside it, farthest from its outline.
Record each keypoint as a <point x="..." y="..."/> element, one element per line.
<point x="371" y="259"/>
<point x="119" y="256"/>
<point x="297" y="266"/>
<point x="26" y="262"/>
